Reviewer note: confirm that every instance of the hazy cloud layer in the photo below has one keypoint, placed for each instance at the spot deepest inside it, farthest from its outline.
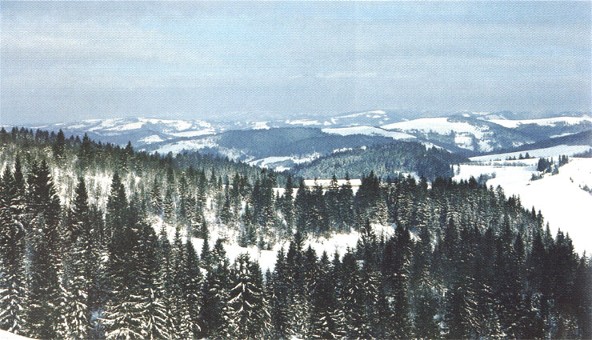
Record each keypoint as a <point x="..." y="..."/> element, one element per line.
<point x="77" y="60"/>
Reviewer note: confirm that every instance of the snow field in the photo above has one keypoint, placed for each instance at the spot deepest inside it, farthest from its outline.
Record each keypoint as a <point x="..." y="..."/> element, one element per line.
<point x="560" y="197"/>
<point x="438" y="125"/>
<point x="337" y="242"/>
<point x="542" y="122"/>
<point x="4" y="335"/>
<point x="368" y="131"/>
<point x="555" y="151"/>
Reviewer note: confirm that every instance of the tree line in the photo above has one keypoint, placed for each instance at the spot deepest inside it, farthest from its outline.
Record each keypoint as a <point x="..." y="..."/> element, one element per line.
<point x="465" y="261"/>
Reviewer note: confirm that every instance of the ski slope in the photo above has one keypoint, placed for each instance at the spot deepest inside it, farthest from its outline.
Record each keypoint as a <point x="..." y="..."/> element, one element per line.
<point x="561" y="199"/>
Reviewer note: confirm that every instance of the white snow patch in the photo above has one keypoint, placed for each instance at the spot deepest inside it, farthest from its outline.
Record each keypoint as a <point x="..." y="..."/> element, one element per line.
<point x="4" y="335"/>
<point x="261" y="126"/>
<point x="566" y="150"/>
<point x="368" y="131"/>
<point x="127" y="127"/>
<point x="559" y="197"/>
<point x="151" y="139"/>
<point x="303" y="122"/>
<point x="186" y="145"/>
<point x="194" y="133"/>
<point x="370" y="114"/>
<point x="543" y="121"/>
<point x="438" y="125"/>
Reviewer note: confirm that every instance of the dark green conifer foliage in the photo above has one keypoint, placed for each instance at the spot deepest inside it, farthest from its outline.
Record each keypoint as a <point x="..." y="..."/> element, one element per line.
<point x="280" y="297"/>
<point x="44" y="209"/>
<point x="326" y="314"/>
<point x="245" y="310"/>
<point x="213" y="314"/>
<point x="12" y="256"/>
<point x="59" y="146"/>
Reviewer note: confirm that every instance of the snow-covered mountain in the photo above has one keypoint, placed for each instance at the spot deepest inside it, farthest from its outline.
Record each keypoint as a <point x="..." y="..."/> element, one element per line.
<point x="284" y="143"/>
<point x="483" y="133"/>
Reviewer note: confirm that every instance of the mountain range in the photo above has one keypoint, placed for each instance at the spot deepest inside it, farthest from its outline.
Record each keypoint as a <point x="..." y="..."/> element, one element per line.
<point x="283" y="144"/>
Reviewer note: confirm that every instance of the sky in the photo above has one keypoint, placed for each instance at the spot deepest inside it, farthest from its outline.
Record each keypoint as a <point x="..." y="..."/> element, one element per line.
<point x="74" y="60"/>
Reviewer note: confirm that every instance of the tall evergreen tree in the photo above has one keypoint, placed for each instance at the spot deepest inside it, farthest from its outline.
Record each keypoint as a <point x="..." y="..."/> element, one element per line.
<point x="44" y="209"/>
<point x="246" y="312"/>
<point x="12" y="256"/>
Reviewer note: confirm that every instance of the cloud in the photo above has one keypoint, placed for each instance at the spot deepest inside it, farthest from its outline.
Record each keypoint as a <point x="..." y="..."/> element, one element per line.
<point x="346" y="75"/>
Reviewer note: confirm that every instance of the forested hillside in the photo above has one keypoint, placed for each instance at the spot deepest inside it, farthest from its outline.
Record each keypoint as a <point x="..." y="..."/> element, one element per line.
<point x="388" y="160"/>
<point x="80" y="256"/>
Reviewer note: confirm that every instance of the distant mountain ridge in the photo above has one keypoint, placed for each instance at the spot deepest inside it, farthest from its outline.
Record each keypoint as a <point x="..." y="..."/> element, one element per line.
<point x="285" y="143"/>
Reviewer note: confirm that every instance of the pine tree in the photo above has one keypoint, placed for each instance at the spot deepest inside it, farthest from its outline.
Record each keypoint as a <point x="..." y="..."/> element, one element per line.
<point x="326" y="315"/>
<point x="213" y="316"/>
<point x="180" y="308"/>
<point x="287" y="207"/>
<point x="191" y="286"/>
<point x="117" y="206"/>
<point x="44" y="209"/>
<point x="346" y="205"/>
<point x="154" y="312"/>
<point x="79" y="270"/>
<point x="280" y="297"/>
<point x="354" y="300"/>
<point x="12" y="249"/>
<point x="123" y="315"/>
<point x="59" y="146"/>
<point x="246" y="310"/>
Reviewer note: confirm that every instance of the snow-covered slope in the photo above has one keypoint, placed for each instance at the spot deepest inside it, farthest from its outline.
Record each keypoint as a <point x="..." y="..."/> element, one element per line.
<point x="561" y="197"/>
<point x="369" y="131"/>
<point x="469" y="132"/>
<point x="4" y="335"/>
<point x="555" y="121"/>
<point x="465" y="134"/>
<point x="565" y="150"/>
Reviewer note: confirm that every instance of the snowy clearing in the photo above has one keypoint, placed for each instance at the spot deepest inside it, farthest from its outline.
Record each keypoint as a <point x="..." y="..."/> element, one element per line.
<point x="561" y="199"/>
<point x="567" y="150"/>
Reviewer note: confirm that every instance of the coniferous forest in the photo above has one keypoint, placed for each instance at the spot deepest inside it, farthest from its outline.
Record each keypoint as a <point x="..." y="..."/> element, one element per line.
<point x="81" y="257"/>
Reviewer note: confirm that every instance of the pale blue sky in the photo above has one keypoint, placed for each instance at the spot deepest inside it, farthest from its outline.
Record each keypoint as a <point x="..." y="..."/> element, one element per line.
<point x="77" y="60"/>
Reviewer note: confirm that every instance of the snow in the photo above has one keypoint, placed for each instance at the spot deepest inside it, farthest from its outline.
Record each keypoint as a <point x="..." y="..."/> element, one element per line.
<point x="4" y="335"/>
<point x="303" y="122"/>
<point x="464" y="141"/>
<point x="325" y="183"/>
<point x="273" y="161"/>
<point x="186" y="145"/>
<point x="151" y="139"/>
<point x="194" y="133"/>
<point x="127" y="127"/>
<point x="439" y="125"/>
<point x="543" y="122"/>
<point x="261" y="126"/>
<point x="368" y="131"/>
<point x="560" y="197"/>
<point x="370" y="114"/>
<point x="103" y="124"/>
<point x="566" y="150"/>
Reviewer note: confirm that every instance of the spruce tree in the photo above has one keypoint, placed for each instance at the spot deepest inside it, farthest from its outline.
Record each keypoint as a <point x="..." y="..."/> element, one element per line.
<point x="12" y="256"/>
<point x="43" y="209"/>
<point x="246" y="310"/>
<point x="213" y="314"/>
